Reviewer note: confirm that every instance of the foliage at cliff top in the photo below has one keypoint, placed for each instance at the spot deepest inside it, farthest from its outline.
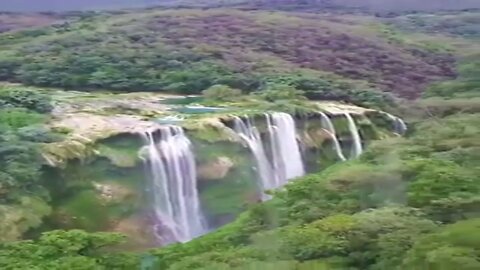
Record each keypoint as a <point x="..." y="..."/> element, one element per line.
<point x="187" y="51"/>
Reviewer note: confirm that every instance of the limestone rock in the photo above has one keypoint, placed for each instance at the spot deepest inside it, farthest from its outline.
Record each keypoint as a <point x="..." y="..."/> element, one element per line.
<point x="314" y="138"/>
<point x="112" y="192"/>
<point x="118" y="158"/>
<point x="216" y="169"/>
<point x="138" y="230"/>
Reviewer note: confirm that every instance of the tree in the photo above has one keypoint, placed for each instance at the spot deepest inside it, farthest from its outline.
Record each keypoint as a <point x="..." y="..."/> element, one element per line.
<point x="456" y="245"/>
<point x="221" y="92"/>
<point x="276" y="92"/>
<point x="58" y="250"/>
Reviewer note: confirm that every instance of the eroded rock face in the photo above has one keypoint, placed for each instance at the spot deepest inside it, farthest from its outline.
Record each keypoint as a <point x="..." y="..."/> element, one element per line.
<point x="215" y="170"/>
<point x="112" y="193"/>
<point x="314" y="138"/>
<point x="138" y="230"/>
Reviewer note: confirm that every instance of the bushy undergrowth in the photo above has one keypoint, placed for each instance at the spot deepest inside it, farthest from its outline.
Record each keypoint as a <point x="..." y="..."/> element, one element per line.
<point x="22" y="196"/>
<point x="467" y="84"/>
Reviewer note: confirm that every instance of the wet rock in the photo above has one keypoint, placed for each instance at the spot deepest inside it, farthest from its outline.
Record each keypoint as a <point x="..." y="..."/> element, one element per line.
<point x="216" y="169"/>
<point x="112" y="192"/>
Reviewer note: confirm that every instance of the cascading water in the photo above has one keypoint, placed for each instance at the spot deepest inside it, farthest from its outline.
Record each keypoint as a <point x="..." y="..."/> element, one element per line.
<point x="357" y="148"/>
<point x="251" y="136"/>
<point x="285" y="162"/>
<point x="174" y="185"/>
<point x="328" y="126"/>
<point x="399" y="125"/>
<point x="285" y="149"/>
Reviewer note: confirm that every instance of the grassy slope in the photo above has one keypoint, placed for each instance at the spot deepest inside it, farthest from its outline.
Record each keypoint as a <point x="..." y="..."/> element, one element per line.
<point x="433" y="170"/>
<point x="324" y="219"/>
<point x="16" y="21"/>
<point x="371" y="5"/>
<point x="189" y="50"/>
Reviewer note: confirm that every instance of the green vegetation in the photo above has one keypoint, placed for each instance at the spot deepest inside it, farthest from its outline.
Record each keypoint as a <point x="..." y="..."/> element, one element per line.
<point x="462" y="24"/>
<point x="23" y="198"/>
<point x="94" y="194"/>
<point x="406" y="203"/>
<point x="371" y="213"/>
<point x="467" y="85"/>
<point x="188" y="51"/>
<point x="74" y="249"/>
<point x="221" y="93"/>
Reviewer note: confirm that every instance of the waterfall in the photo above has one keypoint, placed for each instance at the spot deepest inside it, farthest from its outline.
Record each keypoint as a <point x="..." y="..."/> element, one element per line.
<point x="284" y="161"/>
<point x="357" y="142"/>
<point x="174" y="185"/>
<point x="399" y="125"/>
<point x="251" y="136"/>
<point x="328" y="126"/>
<point x="285" y="148"/>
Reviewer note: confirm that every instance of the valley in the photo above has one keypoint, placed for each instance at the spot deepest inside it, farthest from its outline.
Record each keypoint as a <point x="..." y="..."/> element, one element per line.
<point x="241" y="135"/>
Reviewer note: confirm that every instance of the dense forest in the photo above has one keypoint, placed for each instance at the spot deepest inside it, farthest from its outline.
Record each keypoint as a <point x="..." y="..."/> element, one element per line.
<point x="410" y="202"/>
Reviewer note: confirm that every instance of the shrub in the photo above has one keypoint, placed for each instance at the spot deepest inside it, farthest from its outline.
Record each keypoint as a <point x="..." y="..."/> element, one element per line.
<point x="220" y="92"/>
<point x="25" y="98"/>
<point x="19" y="117"/>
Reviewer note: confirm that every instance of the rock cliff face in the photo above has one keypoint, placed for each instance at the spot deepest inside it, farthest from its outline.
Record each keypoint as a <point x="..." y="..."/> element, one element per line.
<point x="102" y="157"/>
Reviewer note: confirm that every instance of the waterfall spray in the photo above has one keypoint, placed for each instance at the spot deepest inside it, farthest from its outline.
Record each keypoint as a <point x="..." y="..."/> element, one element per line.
<point x="174" y="185"/>
<point x="357" y="142"/>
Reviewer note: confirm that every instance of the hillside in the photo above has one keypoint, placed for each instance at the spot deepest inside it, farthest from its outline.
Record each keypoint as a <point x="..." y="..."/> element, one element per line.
<point x="365" y="6"/>
<point x="186" y="51"/>
<point x="329" y="134"/>
<point x="60" y="5"/>
<point x="18" y="21"/>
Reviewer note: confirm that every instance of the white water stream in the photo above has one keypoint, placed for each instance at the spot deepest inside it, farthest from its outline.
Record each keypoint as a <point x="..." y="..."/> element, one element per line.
<point x="174" y="185"/>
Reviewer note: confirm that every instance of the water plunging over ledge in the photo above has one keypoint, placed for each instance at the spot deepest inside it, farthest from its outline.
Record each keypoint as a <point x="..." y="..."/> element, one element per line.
<point x="328" y="126"/>
<point x="284" y="162"/>
<point x="357" y="142"/>
<point x="171" y="164"/>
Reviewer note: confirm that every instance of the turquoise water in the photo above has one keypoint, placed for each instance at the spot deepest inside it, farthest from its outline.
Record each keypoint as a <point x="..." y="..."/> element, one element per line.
<point x="182" y="100"/>
<point x="197" y="110"/>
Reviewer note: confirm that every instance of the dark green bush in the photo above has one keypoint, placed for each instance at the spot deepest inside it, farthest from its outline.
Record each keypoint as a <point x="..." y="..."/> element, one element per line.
<point x="25" y="98"/>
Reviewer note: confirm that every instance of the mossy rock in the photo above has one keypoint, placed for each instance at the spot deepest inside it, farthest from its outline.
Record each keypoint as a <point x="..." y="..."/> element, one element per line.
<point x="85" y="210"/>
<point x="383" y="123"/>
<point x="229" y="197"/>
<point x="368" y="131"/>
<point x="215" y="170"/>
<point x="122" y="150"/>
<point x="206" y="152"/>
<point x="209" y="130"/>
<point x="79" y="201"/>
<point x="59" y="153"/>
